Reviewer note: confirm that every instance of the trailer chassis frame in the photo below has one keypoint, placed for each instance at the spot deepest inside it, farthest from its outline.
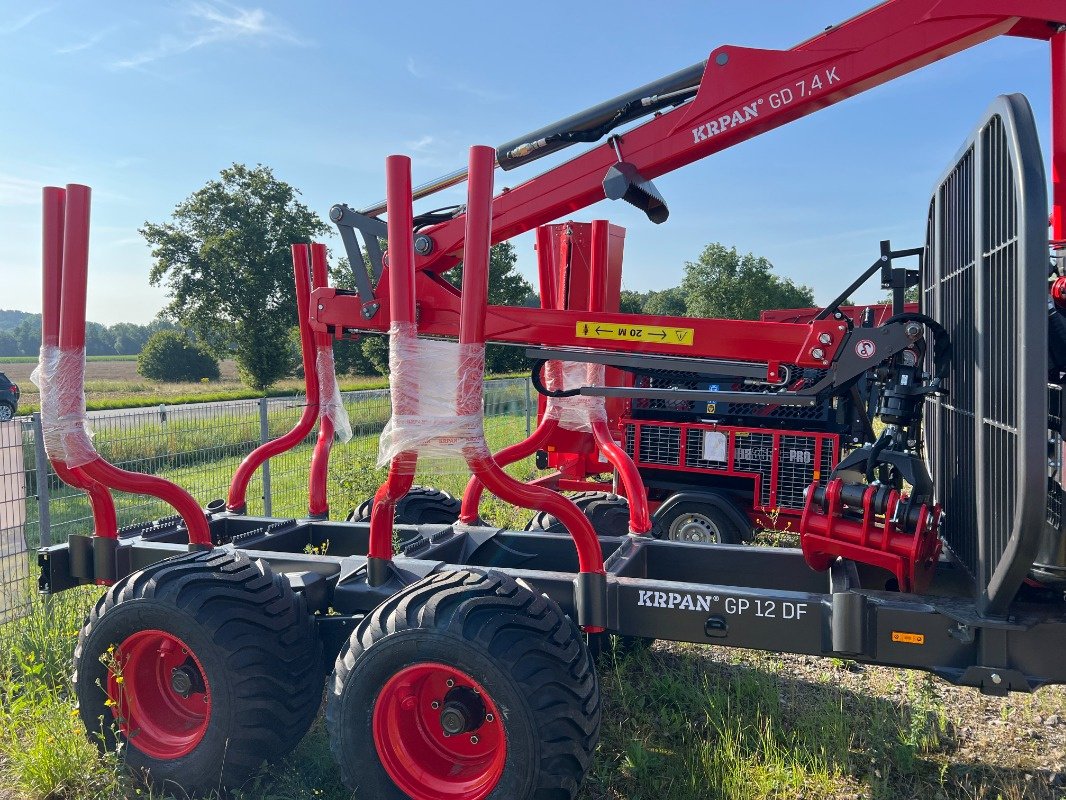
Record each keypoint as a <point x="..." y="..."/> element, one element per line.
<point x="735" y="596"/>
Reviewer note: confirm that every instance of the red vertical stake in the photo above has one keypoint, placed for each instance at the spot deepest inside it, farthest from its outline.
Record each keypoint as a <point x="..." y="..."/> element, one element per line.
<point x="1058" y="136"/>
<point x="105" y="520"/>
<point x="401" y="282"/>
<point x="591" y="582"/>
<point x="317" y="504"/>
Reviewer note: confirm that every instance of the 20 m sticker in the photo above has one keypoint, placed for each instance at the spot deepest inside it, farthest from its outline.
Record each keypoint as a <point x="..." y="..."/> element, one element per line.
<point x="636" y="333"/>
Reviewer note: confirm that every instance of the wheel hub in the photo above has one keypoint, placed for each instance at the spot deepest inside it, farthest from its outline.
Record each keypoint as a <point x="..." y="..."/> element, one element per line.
<point x="463" y="711"/>
<point x="694" y="528"/>
<point x="438" y="734"/>
<point x="159" y="694"/>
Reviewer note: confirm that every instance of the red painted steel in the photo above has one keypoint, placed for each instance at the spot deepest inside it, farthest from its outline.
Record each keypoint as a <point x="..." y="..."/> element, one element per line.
<point x="156" y="719"/>
<point x="74" y="279"/>
<point x="472" y="332"/>
<point x="422" y="759"/>
<point x="238" y="488"/>
<point x="773" y="506"/>
<point x="317" y="503"/>
<point x="1058" y="137"/>
<point x="910" y="555"/>
<point x="741" y="340"/>
<point x="744" y="92"/>
<point x="105" y="519"/>
<point x="400" y="281"/>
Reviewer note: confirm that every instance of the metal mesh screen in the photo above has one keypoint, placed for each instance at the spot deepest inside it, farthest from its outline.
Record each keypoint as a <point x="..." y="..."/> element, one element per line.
<point x="986" y="284"/>
<point x="14" y="516"/>
<point x="199" y="446"/>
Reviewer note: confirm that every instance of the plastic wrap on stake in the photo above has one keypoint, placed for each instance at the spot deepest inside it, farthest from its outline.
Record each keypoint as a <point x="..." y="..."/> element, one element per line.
<point x="435" y="431"/>
<point x="575" y="413"/>
<point x="60" y="376"/>
<point x="331" y="405"/>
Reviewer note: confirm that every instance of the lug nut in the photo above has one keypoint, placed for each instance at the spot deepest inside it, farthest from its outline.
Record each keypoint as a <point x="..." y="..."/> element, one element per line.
<point x="490" y="718"/>
<point x="435" y="704"/>
<point x="449" y="683"/>
<point x="474" y="740"/>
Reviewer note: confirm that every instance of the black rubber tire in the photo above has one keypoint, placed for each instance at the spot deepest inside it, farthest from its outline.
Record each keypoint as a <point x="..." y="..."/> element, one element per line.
<point x="255" y="641"/>
<point x="423" y="505"/>
<point x="519" y="645"/>
<point x="728" y="532"/>
<point x="7" y="411"/>
<point x="608" y="513"/>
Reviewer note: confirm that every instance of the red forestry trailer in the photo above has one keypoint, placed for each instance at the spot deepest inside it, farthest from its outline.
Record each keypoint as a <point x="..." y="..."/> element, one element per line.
<point x="462" y="664"/>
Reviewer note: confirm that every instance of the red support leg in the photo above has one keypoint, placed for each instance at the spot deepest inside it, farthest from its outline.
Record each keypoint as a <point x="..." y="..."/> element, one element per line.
<point x="105" y="520"/>
<point x="70" y="403"/>
<point x="238" y="489"/>
<point x="1058" y="138"/>
<point x="591" y="582"/>
<point x="317" y="503"/>
<point x="401" y="282"/>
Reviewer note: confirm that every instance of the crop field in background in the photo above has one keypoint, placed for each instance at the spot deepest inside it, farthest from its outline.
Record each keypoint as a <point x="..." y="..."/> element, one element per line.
<point x="113" y="382"/>
<point x="680" y="722"/>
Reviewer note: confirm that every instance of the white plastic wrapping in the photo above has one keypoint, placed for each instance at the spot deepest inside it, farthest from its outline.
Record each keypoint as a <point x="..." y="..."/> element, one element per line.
<point x="60" y="377"/>
<point x="579" y="412"/>
<point x="331" y="406"/>
<point x="428" y="393"/>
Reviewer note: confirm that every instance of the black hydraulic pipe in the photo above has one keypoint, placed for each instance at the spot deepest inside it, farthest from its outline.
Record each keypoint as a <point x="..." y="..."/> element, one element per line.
<point x="617" y="111"/>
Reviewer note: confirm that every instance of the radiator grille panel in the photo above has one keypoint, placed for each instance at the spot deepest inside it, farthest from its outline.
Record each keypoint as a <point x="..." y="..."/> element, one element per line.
<point x="986" y="283"/>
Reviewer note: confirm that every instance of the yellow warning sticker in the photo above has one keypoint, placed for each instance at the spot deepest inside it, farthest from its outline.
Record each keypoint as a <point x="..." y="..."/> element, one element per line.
<point x="908" y="638"/>
<point x="636" y="333"/>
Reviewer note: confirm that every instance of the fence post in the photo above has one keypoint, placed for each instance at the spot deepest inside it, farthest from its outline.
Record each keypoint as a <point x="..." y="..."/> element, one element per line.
<point x="528" y="402"/>
<point x="264" y="437"/>
<point x="40" y="460"/>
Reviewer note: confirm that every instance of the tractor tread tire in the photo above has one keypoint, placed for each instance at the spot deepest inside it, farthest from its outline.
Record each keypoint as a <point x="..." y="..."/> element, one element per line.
<point x="608" y="513"/>
<point x="421" y="505"/>
<point x="258" y="647"/>
<point x="527" y="637"/>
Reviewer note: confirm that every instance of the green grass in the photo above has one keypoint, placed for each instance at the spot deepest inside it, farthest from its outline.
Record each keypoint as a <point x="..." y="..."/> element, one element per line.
<point x="33" y="359"/>
<point x="681" y="722"/>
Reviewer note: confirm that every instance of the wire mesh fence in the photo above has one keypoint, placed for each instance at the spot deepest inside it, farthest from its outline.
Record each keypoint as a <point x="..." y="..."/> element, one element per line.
<point x="199" y="446"/>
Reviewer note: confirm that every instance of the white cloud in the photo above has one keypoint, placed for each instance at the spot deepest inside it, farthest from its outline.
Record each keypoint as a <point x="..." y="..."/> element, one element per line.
<point x="23" y="21"/>
<point x="19" y="191"/>
<point x="211" y="23"/>
<point x="85" y="44"/>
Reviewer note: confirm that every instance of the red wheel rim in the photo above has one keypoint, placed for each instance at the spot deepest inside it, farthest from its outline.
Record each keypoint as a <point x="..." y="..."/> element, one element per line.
<point x="413" y="715"/>
<point x="159" y="694"/>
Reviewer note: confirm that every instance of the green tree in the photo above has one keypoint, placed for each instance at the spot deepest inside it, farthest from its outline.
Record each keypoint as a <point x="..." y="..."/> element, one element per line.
<point x="225" y="260"/>
<point x="668" y="303"/>
<point x="173" y="356"/>
<point x="507" y="287"/>
<point x="726" y="285"/>
<point x="631" y="302"/>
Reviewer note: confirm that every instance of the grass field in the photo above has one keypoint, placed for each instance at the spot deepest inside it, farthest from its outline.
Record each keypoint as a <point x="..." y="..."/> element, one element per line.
<point x="680" y="722"/>
<point x="113" y="382"/>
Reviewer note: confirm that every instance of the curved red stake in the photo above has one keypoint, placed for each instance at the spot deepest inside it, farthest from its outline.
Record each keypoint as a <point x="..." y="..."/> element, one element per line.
<point x="472" y="332"/>
<point x="317" y="503"/>
<point x="75" y="270"/>
<point x="468" y="513"/>
<point x="401" y="284"/>
<point x="639" y="515"/>
<point x="238" y="488"/>
<point x="105" y="519"/>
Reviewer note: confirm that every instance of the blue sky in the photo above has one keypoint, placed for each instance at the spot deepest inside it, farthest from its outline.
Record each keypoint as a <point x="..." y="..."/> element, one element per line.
<point x="145" y="102"/>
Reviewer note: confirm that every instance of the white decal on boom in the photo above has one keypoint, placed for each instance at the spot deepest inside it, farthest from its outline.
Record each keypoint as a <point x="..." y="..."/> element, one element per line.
<point x="801" y="89"/>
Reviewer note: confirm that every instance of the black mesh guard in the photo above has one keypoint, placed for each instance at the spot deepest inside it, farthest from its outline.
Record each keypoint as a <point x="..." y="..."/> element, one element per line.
<point x="986" y="283"/>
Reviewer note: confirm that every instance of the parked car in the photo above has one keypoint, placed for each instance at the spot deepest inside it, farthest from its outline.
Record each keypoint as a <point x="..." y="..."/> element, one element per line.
<point x="9" y="398"/>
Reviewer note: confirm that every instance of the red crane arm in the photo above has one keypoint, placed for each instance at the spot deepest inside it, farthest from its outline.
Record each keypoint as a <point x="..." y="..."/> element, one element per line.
<point x="747" y="91"/>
